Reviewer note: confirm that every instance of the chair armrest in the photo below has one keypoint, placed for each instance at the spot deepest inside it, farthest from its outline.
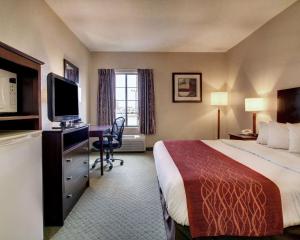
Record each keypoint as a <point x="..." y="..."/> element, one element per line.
<point x="109" y="136"/>
<point x="108" y="131"/>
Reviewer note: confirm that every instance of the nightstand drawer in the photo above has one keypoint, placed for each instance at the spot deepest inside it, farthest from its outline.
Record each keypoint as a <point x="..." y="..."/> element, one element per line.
<point x="242" y="137"/>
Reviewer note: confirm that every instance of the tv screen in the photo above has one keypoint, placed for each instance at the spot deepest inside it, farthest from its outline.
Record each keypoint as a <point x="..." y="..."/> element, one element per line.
<point x="62" y="99"/>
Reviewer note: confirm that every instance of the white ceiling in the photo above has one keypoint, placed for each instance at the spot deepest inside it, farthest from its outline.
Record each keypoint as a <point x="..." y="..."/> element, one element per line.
<point x="165" y="25"/>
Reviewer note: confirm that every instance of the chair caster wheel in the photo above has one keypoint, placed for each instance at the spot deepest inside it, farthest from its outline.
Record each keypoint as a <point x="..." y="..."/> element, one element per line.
<point x="110" y="168"/>
<point x="122" y="163"/>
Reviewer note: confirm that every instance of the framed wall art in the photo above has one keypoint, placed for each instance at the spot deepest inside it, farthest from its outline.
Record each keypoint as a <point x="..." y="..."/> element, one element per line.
<point x="71" y="72"/>
<point x="187" y="87"/>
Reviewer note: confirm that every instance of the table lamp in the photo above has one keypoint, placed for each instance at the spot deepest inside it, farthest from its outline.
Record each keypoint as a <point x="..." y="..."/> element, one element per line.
<point x="219" y="99"/>
<point x="254" y="105"/>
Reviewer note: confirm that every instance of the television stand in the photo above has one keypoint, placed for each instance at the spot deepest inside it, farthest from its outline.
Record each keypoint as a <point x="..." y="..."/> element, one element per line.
<point x="65" y="171"/>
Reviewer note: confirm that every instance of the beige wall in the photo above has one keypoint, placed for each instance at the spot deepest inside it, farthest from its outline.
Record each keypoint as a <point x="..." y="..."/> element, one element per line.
<point x="174" y="120"/>
<point x="268" y="60"/>
<point x="32" y="27"/>
<point x="264" y="62"/>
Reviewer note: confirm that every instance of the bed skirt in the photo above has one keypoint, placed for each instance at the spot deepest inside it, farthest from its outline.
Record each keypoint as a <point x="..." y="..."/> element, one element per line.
<point x="175" y="231"/>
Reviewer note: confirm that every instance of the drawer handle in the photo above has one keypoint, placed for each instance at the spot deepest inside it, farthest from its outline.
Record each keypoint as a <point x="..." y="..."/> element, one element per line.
<point x="69" y="178"/>
<point x="69" y="160"/>
<point x="85" y="162"/>
<point x="86" y="176"/>
<point x="69" y="195"/>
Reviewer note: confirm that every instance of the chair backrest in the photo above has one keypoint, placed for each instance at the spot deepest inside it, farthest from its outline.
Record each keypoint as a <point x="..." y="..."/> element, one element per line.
<point x="117" y="129"/>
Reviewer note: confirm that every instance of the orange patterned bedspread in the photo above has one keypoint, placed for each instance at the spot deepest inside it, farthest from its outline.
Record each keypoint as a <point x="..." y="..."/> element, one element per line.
<point x="224" y="197"/>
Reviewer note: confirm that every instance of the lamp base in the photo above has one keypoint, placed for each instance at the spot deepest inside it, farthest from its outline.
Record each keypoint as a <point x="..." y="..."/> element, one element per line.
<point x="219" y="123"/>
<point x="254" y="124"/>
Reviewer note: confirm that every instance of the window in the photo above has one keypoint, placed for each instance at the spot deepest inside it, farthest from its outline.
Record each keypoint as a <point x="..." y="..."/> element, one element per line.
<point x="127" y="98"/>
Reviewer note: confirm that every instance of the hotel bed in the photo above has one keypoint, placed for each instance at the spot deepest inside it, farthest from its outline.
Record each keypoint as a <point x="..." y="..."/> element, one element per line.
<point x="278" y="165"/>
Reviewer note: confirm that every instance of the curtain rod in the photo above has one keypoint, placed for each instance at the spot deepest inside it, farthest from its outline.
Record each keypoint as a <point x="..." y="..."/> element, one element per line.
<point x="126" y="70"/>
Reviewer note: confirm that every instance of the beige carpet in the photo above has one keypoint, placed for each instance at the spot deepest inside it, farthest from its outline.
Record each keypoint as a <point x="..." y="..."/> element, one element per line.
<point x="123" y="204"/>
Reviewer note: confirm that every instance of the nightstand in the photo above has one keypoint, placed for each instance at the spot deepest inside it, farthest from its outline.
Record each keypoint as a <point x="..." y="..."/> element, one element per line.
<point x="242" y="137"/>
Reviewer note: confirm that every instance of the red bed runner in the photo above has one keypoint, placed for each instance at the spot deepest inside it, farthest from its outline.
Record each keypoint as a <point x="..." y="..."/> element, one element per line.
<point x="224" y="197"/>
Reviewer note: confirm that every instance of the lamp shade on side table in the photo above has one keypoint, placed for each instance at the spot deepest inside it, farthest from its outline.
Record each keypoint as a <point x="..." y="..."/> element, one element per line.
<point x="254" y="105"/>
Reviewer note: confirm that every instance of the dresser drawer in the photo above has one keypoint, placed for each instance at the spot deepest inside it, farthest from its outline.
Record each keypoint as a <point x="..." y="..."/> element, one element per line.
<point x="75" y="159"/>
<point x="72" y="193"/>
<point x="75" y="175"/>
<point x="79" y="165"/>
<point x="72" y="179"/>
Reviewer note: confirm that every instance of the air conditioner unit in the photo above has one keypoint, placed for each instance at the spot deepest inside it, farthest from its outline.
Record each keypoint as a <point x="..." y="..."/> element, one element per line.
<point x="132" y="143"/>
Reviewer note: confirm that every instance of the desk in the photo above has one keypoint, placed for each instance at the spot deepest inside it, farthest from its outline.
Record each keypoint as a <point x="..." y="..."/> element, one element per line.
<point x="97" y="131"/>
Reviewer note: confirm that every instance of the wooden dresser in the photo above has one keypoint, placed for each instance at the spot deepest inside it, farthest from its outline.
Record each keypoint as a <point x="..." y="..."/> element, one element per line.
<point x="65" y="171"/>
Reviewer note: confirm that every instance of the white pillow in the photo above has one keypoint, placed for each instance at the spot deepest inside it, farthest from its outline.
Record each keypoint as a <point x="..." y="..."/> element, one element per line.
<point x="278" y="135"/>
<point x="294" y="137"/>
<point x="263" y="128"/>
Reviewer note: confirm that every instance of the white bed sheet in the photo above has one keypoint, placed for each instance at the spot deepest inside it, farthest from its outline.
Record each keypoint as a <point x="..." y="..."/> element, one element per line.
<point x="280" y="166"/>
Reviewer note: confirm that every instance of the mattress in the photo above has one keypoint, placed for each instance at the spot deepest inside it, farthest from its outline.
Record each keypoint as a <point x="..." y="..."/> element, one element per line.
<point x="280" y="166"/>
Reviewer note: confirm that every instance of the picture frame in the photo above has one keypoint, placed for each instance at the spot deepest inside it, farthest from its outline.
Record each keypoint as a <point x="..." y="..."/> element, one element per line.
<point x="187" y="87"/>
<point x="71" y="72"/>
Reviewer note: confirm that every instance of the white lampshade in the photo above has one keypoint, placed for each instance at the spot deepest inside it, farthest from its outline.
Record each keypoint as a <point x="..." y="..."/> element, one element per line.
<point x="219" y="99"/>
<point x="254" y="104"/>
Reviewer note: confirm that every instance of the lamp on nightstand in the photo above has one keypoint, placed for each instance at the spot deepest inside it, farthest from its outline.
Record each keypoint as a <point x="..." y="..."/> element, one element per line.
<point x="219" y="99"/>
<point x="254" y="105"/>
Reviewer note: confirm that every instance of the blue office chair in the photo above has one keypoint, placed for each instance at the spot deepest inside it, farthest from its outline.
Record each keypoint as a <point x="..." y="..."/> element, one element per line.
<point x="111" y="140"/>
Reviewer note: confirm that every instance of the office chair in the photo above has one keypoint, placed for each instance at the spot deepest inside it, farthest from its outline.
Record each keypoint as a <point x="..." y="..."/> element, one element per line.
<point x="111" y="140"/>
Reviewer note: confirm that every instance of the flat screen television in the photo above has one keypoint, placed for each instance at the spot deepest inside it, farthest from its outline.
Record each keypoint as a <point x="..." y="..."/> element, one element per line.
<point x="62" y="99"/>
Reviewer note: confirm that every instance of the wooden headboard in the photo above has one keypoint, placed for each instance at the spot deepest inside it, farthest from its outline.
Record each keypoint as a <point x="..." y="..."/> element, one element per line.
<point x="288" y="107"/>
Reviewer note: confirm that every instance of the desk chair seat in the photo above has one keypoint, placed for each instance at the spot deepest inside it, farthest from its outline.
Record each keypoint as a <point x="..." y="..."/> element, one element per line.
<point x="106" y="144"/>
<point x="111" y="140"/>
